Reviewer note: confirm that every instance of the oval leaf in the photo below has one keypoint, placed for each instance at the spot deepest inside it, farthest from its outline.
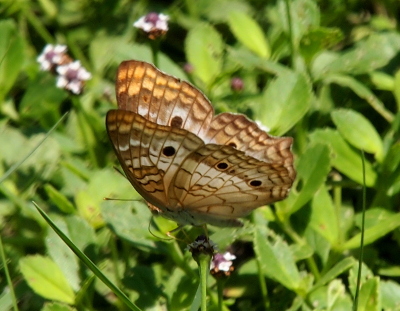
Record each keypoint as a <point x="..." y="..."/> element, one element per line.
<point x="204" y="47"/>
<point x="277" y="260"/>
<point x="286" y="100"/>
<point x="46" y="279"/>
<point x="249" y="33"/>
<point x="344" y="158"/>
<point x="358" y="131"/>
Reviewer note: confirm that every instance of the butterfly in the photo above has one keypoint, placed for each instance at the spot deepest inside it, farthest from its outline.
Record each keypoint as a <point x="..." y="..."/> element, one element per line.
<point x="189" y="165"/>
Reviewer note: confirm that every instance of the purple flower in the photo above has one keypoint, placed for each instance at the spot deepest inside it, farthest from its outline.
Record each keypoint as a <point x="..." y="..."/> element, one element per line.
<point x="72" y="76"/>
<point x="52" y="56"/>
<point x="237" y="84"/>
<point x="222" y="263"/>
<point x="154" y="24"/>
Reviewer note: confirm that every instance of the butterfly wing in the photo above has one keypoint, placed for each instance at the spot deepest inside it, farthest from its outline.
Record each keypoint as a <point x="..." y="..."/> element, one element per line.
<point x="217" y="184"/>
<point x="238" y="131"/>
<point x="149" y="153"/>
<point x="161" y="98"/>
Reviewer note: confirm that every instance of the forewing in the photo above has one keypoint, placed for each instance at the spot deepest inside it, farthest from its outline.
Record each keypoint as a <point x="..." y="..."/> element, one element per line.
<point x="161" y="98"/>
<point x="149" y="153"/>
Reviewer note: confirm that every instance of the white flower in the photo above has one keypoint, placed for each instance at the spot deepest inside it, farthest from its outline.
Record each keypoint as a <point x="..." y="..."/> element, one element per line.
<point x="153" y="24"/>
<point x="222" y="262"/>
<point x="72" y="76"/>
<point x="51" y="56"/>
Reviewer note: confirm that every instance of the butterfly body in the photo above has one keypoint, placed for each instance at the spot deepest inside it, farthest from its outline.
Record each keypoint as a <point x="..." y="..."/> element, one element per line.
<point x="190" y="166"/>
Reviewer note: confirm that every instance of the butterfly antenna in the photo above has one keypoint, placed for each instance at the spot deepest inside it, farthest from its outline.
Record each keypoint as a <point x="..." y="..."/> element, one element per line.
<point x="158" y="237"/>
<point x="125" y="200"/>
<point x="119" y="171"/>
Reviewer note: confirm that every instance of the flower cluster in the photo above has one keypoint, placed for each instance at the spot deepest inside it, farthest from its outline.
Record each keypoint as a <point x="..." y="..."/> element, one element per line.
<point x="71" y="74"/>
<point x="153" y="24"/>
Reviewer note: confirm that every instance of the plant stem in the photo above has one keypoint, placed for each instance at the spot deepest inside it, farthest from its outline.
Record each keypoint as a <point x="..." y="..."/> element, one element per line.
<point x="7" y="273"/>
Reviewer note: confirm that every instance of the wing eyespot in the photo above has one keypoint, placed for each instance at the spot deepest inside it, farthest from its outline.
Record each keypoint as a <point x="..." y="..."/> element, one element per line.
<point x="222" y="166"/>
<point x="169" y="151"/>
<point x="176" y="122"/>
<point x="255" y="183"/>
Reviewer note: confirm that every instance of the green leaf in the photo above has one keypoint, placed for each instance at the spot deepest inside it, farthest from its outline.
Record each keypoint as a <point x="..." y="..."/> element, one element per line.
<point x="249" y="33"/>
<point x="338" y="269"/>
<point x="276" y="259"/>
<point x="12" y="55"/>
<point x="312" y="169"/>
<point x="363" y="92"/>
<point x="373" y="217"/>
<point x="396" y="89"/>
<point x="343" y="157"/>
<point x="358" y="131"/>
<point x="324" y="219"/>
<point x="59" y="199"/>
<point x="304" y="14"/>
<point x="367" y="55"/>
<point x="390" y="293"/>
<point x="369" y="298"/>
<point x="131" y="225"/>
<point x="317" y="39"/>
<point x="286" y="100"/>
<point x="382" y="81"/>
<point x="46" y="278"/>
<point x="103" y="183"/>
<point x="55" y="306"/>
<point x="204" y="48"/>
<point x="373" y="233"/>
<point x="62" y="255"/>
<point x="42" y="100"/>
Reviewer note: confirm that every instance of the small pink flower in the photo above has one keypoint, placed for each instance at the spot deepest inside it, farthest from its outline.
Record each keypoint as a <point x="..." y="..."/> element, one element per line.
<point x="222" y="263"/>
<point x="72" y="77"/>
<point x="237" y="84"/>
<point x="154" y="24"/>
<point x="52" y="56"/>
<point x="188" y="68"/>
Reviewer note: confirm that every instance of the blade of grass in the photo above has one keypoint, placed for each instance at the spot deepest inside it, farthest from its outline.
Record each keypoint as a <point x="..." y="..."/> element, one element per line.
<point x="88" y="262"/>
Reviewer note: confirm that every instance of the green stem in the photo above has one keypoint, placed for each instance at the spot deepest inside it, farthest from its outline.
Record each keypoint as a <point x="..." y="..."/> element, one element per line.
<point x="364" y="197"/>
<point x="290" y="33"/>
<point x="7" y="273"/>
<point x="337" y="199"/>
<point x="204" y="269"/>
<point x="155" y="47"/>
<point x="263" y="285"/>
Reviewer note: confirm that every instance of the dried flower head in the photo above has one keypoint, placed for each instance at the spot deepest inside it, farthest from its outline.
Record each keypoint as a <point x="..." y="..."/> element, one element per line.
<point x="153" y="24"/>
<point x="202" y="244"/>
<point x="52" y="56"/>
<point x="72" y="77"/>
<point x="222" y="264"/>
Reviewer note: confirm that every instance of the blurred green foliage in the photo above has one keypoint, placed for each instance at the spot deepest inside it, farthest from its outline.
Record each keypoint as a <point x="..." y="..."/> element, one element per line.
<point x="323" y="72"/>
